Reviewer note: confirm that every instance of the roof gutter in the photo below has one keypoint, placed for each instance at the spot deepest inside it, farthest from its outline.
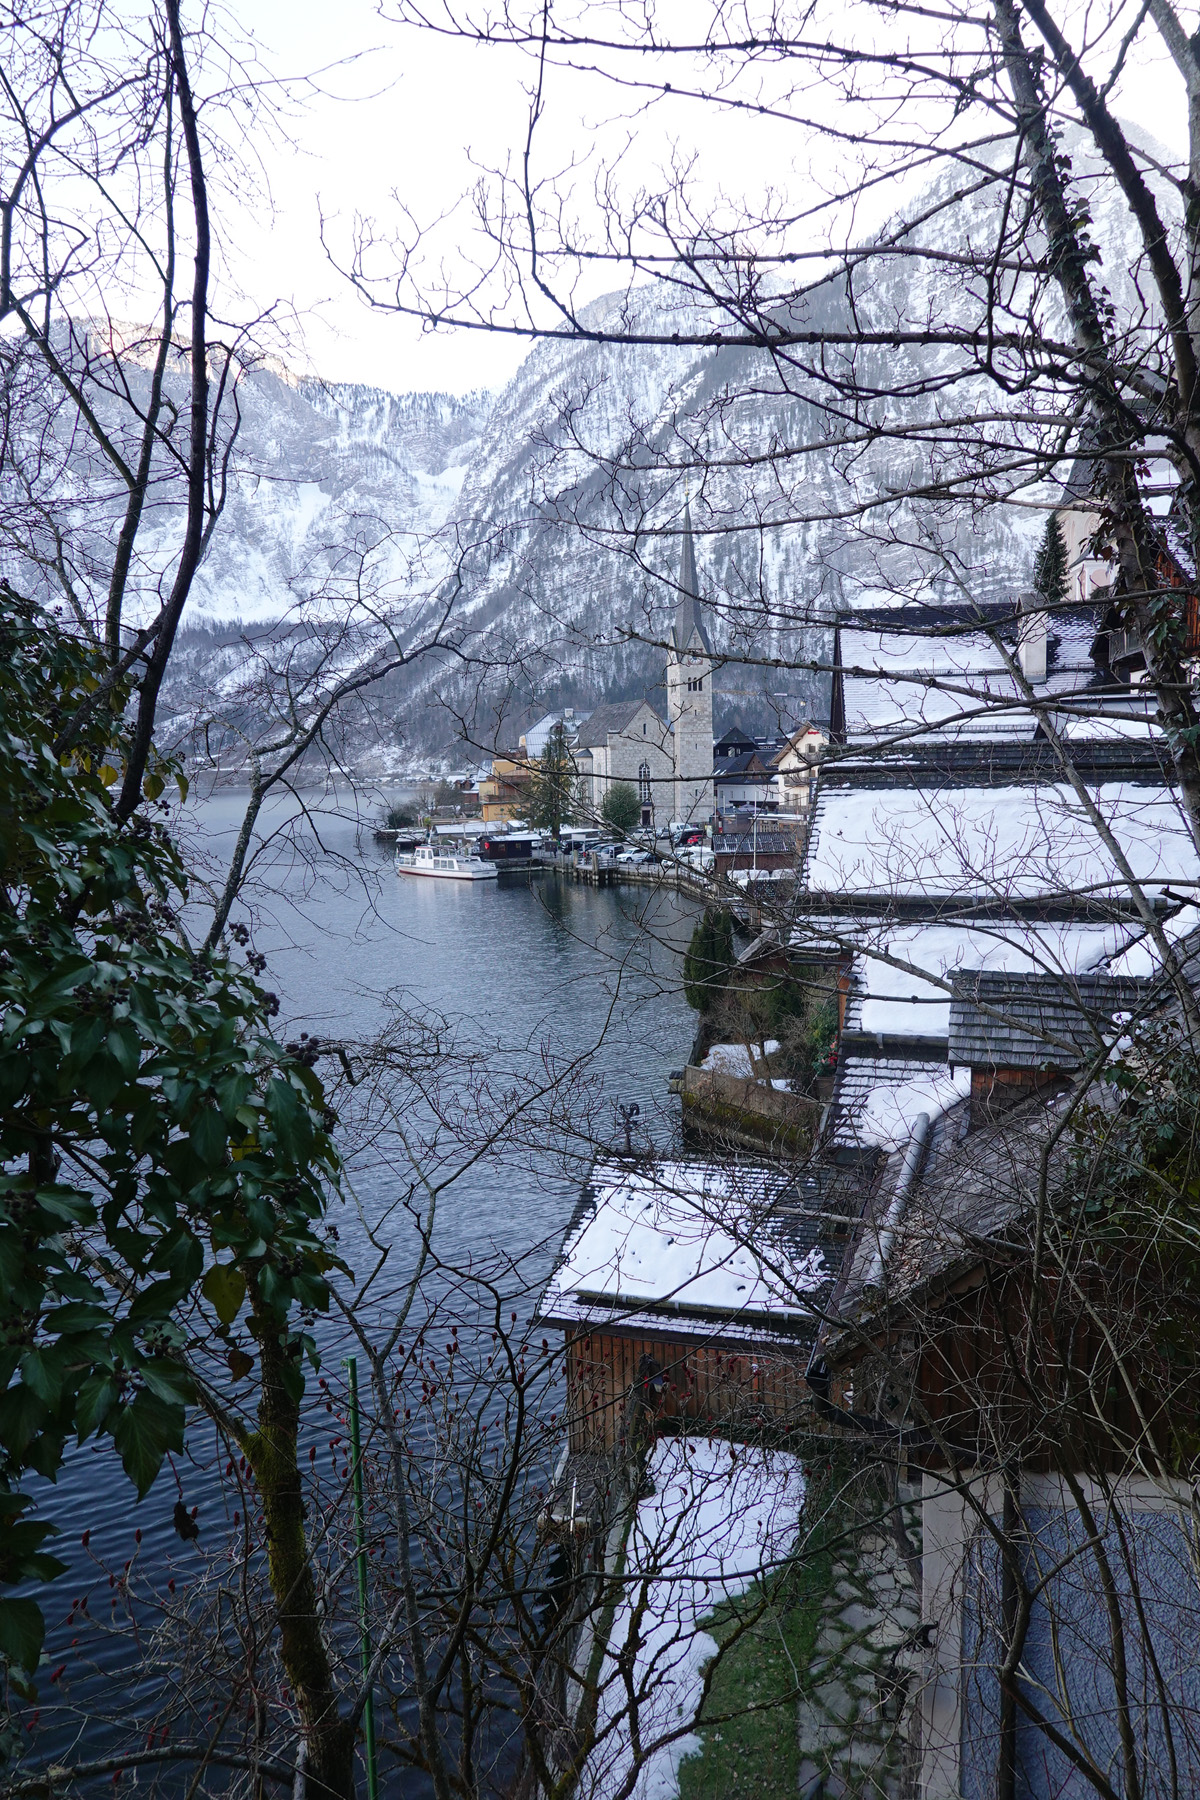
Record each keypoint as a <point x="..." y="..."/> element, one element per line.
<point x="892" y="1219"/>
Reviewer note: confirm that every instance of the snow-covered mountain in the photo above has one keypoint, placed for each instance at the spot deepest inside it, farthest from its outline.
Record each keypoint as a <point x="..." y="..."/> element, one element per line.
<point x="542" y="521"/>
<point x="319" y="467"/>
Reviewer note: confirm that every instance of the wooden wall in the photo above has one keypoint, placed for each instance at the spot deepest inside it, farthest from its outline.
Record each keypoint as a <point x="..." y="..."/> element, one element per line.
<point x="724" y="1387"/>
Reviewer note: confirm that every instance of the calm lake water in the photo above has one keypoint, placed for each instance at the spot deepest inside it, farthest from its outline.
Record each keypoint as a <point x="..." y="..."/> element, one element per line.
<point x="524" y="977"/>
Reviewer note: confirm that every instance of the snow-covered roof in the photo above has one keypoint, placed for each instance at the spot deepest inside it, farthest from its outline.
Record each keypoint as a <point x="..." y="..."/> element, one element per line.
<point x="893" y="683"/>
<point x="688" y="1238"/>
<point x="888" y="997"/>
<point x="1001" y="843"/>
<point x="878" y="1100"/>
<point x="538" y="735"/>
<point x="953" y="682"/>
<point x="1141" y="958"/>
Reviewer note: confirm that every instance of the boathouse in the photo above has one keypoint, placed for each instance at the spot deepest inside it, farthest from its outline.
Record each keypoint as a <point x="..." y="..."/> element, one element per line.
<point x="703" y="1282"/>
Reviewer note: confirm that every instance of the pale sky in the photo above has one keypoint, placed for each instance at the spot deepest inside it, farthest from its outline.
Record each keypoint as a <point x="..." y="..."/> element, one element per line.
<point x="416" y="113"/>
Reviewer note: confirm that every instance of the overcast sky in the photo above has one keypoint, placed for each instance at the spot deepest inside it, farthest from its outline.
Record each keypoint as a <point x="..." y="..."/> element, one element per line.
<point x="415" y="114"/>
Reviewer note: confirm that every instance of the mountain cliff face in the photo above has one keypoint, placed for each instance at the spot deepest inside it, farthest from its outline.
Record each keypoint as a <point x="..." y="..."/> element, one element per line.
<point x="319" y="467"/>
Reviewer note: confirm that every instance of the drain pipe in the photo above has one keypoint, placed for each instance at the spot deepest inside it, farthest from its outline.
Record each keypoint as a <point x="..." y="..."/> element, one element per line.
<point x="899" y="1201"/>
<point x="817" y="1374"/>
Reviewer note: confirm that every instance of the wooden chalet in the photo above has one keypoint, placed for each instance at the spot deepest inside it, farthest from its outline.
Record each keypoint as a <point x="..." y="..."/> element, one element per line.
<point x="705" y="1282"/>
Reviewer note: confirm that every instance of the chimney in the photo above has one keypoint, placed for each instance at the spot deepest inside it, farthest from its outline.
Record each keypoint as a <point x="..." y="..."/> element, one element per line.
<point x="1031" y="638"/>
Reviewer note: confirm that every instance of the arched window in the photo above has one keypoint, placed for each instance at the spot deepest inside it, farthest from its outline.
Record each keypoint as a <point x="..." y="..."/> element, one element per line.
<point x="644" y="783"/>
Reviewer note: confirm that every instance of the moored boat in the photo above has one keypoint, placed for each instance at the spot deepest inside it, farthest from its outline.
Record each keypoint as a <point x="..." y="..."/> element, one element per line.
<point x="443" y="866"/>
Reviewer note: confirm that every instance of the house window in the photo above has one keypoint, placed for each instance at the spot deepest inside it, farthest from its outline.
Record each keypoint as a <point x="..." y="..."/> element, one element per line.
<point x="644" y="783"/>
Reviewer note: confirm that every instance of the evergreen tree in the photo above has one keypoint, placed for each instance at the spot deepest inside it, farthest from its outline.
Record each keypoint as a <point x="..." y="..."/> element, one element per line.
<point x="554" y="784"/>
<point x="708" y="960"/>
<point x="1050" y="570"/>
<point x="621" y="808"/>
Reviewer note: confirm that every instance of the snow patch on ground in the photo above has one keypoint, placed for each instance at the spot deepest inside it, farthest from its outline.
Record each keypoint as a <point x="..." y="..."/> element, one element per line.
<point x="720" y="1514"/>
<point x="736" y="1059"/>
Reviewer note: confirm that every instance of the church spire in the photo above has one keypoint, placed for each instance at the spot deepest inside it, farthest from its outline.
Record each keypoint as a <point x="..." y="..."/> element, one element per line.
<point x="689" y="616"/>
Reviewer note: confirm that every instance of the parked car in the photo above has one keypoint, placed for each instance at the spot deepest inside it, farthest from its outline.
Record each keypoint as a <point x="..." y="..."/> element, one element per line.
<point x="637" y="857"/>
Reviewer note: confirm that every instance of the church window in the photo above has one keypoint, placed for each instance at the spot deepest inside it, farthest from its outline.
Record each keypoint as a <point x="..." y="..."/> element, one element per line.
<point x="644" y="784"/>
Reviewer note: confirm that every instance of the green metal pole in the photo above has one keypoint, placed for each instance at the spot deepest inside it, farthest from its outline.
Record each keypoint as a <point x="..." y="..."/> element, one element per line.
<point x="360" y="1523"/>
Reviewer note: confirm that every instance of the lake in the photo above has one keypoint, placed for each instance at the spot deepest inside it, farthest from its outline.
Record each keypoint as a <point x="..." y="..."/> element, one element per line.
<point x="526" y="982"/>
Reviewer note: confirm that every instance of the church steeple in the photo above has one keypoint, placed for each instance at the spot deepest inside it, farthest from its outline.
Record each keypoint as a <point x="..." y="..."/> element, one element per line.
<point x="689" y="615"/>
<point x="689" y="691"/>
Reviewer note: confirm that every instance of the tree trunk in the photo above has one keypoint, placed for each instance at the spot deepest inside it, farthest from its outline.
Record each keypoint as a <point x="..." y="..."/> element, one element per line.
<point x="272" y="1453"/>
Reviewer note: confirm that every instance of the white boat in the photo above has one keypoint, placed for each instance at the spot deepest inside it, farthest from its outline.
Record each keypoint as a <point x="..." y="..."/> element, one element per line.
<point x="444" y="866"/>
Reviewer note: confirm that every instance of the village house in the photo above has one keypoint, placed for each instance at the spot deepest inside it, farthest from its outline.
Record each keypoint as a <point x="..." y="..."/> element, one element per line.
<point x="504" y="792"/>
<point x="758" y="847"/>
<point x="708" y="1281"/>
<point x="743" y="778"/>
<point x="795" y="764"/>
<point x="1052" y="1525"/>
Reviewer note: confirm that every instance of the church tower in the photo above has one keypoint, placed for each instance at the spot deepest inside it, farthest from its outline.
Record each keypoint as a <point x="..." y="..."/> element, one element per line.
<point x="689" y="694"/>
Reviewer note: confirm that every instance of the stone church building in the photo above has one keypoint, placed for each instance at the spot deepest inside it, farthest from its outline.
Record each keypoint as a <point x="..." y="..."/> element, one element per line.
<point x="669" y="762"/>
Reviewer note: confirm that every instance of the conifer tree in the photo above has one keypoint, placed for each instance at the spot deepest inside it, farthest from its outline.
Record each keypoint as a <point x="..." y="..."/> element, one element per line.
<point x="621" y="808"/>
<point x="1050" y="570"/>
<point x="554" y="784"/>
<point x="708" y="959"/>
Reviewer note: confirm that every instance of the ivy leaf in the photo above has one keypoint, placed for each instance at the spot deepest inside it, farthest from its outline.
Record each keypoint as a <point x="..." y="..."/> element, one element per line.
<point x="97" y="1397"/>
<point x="125" y="1048"/>
<point x="22" y="1631"/>
<point x="168" y="1380"/>
<point x="144" y="1432"/>
<point x="225" y="1286"/>
<point x="209" y="1137"/>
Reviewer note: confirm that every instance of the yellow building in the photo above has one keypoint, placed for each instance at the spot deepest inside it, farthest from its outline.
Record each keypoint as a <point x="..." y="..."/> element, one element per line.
<point x="505" y="793"/>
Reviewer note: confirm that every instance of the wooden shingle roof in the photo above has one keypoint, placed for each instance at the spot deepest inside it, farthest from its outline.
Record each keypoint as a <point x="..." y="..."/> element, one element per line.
<point x="1034" y="1020"/>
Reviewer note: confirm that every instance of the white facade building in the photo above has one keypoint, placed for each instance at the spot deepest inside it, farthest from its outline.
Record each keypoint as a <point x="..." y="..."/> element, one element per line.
<point x="690" y="695"/>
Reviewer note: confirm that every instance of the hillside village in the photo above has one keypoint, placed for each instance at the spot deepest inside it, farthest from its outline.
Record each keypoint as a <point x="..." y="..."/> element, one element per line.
<point x="987" y="895"/>
<point x="703" y="800"/>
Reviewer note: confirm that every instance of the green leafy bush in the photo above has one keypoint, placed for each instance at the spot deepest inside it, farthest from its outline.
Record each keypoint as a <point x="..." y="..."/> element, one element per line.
<point x="164" y="1163"/>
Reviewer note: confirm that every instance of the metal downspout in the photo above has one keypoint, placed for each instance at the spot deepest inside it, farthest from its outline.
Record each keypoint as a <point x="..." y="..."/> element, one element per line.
<point x="892" y="1219"/>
